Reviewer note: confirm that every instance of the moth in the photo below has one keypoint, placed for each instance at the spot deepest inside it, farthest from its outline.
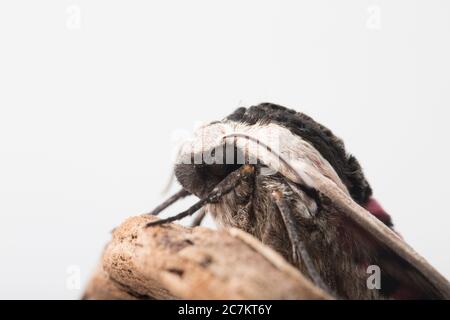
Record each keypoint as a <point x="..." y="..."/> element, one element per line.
<point x="289" y="181"/>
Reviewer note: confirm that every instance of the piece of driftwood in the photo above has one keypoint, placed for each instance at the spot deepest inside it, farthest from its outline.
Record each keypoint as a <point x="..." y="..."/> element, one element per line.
<point x="175" y="262"/>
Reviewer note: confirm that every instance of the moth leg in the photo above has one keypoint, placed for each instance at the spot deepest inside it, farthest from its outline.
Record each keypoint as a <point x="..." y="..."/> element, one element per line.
<point x="179" y="195"/>
<point x="298" y="247"/>
<point x="199" y="218"/>
<point x="221" y="189"/>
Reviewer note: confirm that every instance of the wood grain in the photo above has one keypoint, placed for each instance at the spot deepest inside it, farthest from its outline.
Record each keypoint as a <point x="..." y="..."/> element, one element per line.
<point x="175" y="262"/>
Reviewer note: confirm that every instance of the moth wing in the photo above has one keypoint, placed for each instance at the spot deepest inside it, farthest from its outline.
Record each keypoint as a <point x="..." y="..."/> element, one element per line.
<point x="398" y="258"/>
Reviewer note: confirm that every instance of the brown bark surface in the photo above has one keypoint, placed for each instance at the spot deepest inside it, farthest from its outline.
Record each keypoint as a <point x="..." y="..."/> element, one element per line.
<point x="175" y="262"/>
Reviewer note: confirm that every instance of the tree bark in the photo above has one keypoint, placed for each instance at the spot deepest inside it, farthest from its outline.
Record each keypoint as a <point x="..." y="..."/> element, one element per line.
<point x="175" y="262"/>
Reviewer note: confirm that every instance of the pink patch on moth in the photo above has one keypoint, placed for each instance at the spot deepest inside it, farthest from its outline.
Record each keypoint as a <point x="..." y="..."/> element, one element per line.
<point x="377" y="210"/>
<point x="374" y="207"/>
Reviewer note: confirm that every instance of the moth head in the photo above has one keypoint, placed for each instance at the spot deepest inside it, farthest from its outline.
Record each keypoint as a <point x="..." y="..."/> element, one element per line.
<point x="206" y="159"/>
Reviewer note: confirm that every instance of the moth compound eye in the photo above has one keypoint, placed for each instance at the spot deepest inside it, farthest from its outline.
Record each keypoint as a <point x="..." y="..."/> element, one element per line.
<point x="200" y="179"/>
<point x="220" y="170"/>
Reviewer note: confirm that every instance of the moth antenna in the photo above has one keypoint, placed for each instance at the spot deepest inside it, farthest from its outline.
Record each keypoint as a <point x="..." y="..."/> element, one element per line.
<point x="254" y="139"/>
<point x="222" y="188"/>
<point x="199" y="218"/>
<point x="193" y="209"/>
<point x="298" y="246"/>
<point x="308" y="190"/>
<point x="177" y="196"/>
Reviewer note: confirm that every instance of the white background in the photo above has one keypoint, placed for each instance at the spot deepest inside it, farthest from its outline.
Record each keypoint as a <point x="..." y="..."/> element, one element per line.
<point x="93" y="94"/>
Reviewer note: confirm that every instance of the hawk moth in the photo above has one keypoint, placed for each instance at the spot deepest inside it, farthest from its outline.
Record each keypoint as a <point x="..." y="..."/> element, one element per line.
<point x="289" y="181"/>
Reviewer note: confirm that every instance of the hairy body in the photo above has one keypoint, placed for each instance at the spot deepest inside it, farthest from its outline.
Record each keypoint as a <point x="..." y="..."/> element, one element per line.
<point x="329" y="239"/>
